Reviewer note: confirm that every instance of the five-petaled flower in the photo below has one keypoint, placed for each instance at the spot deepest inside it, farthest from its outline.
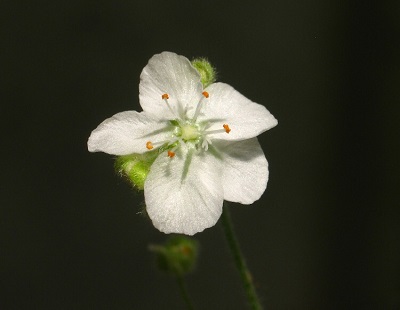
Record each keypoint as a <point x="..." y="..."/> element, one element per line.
<point x="208" y="137"/>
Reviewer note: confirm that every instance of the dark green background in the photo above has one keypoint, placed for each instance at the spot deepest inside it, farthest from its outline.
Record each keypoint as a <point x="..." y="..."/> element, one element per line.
<point x="325" y="234"/>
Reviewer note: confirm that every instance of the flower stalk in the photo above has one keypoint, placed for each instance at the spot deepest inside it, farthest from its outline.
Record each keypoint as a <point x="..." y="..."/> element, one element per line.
<point x="177" y="257"/>
<point x="240" y="263"/>
<point x="185" y="295"/>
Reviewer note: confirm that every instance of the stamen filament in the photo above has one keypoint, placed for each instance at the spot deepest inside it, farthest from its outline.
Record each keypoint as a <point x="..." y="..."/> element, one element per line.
<point x="226" y="129"/>
<point x="165" y="97"/>
<point x="199" y="106"/>
<point x="150" y="145"/>
<point x="209" y="132"/>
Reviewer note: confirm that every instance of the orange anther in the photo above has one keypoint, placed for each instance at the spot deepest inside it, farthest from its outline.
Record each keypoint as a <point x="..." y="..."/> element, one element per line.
<point x="205" y="94"/>
<point x="149" y="145"/>
<point x="226" y="127"/>
<point x="171" y="154"/>
<point x="165" y="96"/>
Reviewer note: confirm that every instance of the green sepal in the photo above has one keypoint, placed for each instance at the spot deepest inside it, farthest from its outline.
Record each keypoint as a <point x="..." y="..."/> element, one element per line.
<point x="208" y="74"/>
<point x="178" y="256"/>
<point x="136" y="167"/>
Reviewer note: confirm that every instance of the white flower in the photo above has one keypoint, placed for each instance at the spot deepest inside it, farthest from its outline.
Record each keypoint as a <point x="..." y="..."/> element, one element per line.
<point x="209" y="135"/>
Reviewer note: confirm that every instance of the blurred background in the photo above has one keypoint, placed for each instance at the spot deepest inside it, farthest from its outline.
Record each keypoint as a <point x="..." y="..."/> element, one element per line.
<point x="325" y="234"/>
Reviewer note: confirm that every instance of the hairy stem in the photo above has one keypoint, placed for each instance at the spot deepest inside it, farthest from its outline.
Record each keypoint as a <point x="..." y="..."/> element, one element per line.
<point x="240" y="263"/>
<point x="184" y="292"/>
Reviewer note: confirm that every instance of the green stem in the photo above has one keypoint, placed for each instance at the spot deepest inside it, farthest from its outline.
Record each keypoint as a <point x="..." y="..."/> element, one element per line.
<point x="184" y="292"/>
<point x="240" y="263"/>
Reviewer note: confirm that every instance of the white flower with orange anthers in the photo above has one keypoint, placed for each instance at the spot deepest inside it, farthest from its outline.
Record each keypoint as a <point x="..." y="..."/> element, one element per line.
<point x="208" y="140"/>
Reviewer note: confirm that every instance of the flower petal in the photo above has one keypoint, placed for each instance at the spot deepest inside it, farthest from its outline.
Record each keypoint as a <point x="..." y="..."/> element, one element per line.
<point x="245" y="173"/>
<point x="126" y="133"/>
<point x="172" y="74"/>
<point x="184" y="194"/>
<point x="245" y="118"/>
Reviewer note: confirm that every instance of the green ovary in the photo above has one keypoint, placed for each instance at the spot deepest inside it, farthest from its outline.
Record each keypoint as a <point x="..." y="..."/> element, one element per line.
<point x="189" y="132"/>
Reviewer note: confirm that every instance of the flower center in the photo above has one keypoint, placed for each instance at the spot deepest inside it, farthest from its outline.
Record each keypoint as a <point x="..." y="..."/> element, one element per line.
<point x="190" y="132"/>
<point x="187" y="130"/>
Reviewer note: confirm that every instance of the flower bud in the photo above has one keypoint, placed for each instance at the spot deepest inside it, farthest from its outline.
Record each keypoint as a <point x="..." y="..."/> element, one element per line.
<point x="178" y="256"/>
<point x="135" y="167"/>
<point x="207" y="72"/>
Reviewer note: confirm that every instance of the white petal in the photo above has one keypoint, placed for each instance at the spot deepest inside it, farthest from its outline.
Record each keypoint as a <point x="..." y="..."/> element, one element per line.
<point x="245" y="118"/>
<point x="179" y="203"/>
<point x="127" y="133"/>
<point x="245" y="173"/>
<point x="172" y="74"/>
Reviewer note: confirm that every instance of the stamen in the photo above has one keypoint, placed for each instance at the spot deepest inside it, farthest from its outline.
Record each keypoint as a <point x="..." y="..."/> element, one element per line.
<point x="165" y="97"/>
<point x="149" y="145"/>
<point x="199" y="105"/>
<point x="226" y="127"/>
<point x="171" y="154"/>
